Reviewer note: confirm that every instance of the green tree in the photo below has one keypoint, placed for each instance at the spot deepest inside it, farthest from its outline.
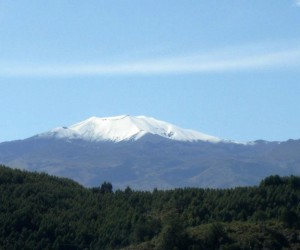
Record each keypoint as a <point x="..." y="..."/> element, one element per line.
<point x="106" y="187"/>
<point x="289" y="218"/>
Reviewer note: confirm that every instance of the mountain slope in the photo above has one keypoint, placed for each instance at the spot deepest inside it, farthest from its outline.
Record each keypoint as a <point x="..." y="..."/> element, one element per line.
<point x="151" y="160"/>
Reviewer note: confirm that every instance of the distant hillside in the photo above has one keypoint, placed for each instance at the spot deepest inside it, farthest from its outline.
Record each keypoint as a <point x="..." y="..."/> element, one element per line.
<point x="153" y="161"/>
<point x="38" y="211"/>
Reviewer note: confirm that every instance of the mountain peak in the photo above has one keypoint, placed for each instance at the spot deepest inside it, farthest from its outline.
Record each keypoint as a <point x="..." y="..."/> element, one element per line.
<point x="124" y="128"/>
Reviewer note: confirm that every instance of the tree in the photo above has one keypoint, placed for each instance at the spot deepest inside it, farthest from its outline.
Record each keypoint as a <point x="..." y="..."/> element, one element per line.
<point x="106" y="187"/>
<point x="272" y="180"/>
<point x="216" y="236"/>
<point x="289" y="218"/>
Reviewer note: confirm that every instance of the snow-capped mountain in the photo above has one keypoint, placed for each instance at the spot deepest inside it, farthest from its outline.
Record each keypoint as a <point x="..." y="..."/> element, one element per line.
<point x="145" y="153"/>
<point x="124" y="128"/>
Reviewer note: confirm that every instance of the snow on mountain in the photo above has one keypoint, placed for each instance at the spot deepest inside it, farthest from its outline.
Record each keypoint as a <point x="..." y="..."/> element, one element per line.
<point x="124" y="128"/>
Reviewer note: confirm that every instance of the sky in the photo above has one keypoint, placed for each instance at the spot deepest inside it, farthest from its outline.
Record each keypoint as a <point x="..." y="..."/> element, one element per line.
<point x="225" y="68"/>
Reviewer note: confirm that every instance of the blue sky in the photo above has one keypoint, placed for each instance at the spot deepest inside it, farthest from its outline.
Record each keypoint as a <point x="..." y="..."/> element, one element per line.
<point x="227" y="68"/>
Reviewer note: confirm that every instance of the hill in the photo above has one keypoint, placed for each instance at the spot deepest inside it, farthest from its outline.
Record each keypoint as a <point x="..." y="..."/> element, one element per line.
<point x="39" y="211"/>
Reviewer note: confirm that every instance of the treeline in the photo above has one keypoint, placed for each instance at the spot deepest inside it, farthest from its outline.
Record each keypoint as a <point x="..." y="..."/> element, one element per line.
<point x="38" y="211"/>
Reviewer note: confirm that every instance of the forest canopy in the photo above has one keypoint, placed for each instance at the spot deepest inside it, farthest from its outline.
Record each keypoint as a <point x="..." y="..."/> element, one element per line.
<point x="39" y="211"/>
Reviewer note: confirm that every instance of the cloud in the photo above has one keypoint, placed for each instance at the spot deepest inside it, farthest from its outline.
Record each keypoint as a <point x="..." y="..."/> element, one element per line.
<point x="231" y="61"/>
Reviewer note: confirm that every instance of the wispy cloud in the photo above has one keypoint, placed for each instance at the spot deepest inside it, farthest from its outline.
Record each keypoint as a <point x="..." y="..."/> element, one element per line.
<point x="209" y="63"/>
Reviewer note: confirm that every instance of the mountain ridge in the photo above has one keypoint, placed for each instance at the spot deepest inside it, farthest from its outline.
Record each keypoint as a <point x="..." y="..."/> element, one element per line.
<point x="126" y="127"/>
<point x="152" y="160"/>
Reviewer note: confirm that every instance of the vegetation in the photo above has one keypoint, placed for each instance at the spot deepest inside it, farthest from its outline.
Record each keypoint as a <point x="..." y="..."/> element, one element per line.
<point x="38" y="211"/>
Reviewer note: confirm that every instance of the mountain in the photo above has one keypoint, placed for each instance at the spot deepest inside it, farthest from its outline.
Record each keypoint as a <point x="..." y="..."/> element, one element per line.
<point x="124" y="128"/>
<point x="145" y="153"/>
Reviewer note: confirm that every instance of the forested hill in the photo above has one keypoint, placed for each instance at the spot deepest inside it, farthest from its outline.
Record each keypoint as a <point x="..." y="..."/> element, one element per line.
<point x="38" y="211"/>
